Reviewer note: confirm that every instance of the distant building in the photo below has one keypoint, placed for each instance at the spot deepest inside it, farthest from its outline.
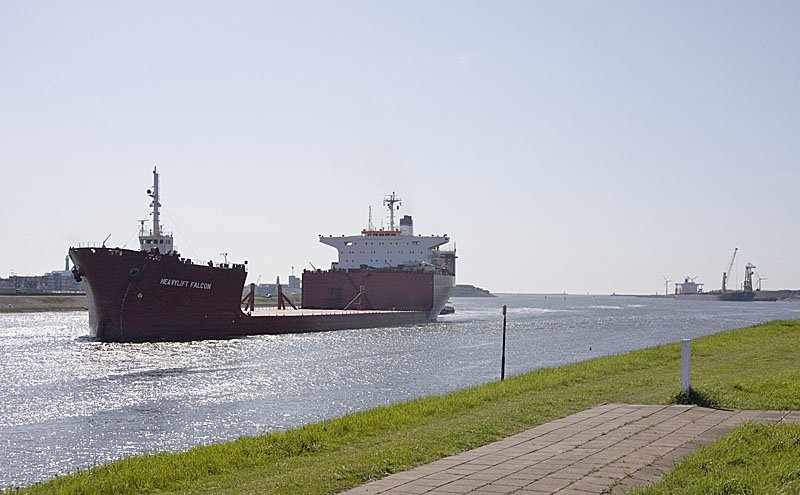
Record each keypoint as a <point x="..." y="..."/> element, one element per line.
<point x="52" y="282"/>
<point x="292" y="288"/>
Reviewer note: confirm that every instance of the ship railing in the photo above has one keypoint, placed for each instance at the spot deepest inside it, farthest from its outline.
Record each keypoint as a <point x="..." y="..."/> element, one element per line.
<point x="234" y="266"/>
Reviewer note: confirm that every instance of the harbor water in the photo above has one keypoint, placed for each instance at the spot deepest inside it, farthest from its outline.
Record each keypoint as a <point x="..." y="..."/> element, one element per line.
<point x="67" y="402"/>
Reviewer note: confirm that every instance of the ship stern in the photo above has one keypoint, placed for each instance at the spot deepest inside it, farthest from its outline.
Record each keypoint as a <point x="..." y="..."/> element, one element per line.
<point x="443" y="286"/>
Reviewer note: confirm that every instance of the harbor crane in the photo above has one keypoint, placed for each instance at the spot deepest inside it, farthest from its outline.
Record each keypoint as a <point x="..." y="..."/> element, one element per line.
<point x="727" y="274"/>
<point x="748" y="277"/>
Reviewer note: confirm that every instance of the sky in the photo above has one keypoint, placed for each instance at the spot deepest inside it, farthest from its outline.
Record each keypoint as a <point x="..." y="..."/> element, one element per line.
<point x="578" y="146"/>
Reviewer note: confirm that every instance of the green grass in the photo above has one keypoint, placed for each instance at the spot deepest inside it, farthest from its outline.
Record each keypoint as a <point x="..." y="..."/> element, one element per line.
<point x="752" y="368"/>
<point x="757" y="459"/>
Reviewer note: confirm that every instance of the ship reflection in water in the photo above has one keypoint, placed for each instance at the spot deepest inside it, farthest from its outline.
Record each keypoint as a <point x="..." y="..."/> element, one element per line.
<point x="70" y="402"/>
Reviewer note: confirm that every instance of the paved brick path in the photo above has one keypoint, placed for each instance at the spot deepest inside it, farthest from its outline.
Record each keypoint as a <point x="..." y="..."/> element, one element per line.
<point x="611" y="448"/>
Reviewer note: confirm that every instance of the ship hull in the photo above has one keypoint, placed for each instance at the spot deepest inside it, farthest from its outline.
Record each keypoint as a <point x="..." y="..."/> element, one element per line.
<point x="378" y="289"/>
<point x="731" y="296"/>
<point x="138" y="296"/>
<point x="739" y="295"/>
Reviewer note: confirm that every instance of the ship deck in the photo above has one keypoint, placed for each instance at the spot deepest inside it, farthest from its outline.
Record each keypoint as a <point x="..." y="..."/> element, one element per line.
<point x="322" y="312"/>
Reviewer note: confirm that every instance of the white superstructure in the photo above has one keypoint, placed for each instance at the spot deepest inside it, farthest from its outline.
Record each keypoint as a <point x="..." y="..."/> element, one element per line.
<point x="689" y="286"/>
<point x="155" y="238"/>
<point x="396" y="247"/>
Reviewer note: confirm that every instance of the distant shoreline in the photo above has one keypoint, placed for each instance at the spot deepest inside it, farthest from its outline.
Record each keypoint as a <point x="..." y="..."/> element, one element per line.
<point x="466" y="290"/>
<point x="40" y="303"/>
<point x="37" y="303"/>
<point x="761" y="296"/>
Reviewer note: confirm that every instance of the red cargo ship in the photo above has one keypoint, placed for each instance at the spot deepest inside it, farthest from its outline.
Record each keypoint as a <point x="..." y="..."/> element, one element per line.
<point x="154" y="294"/>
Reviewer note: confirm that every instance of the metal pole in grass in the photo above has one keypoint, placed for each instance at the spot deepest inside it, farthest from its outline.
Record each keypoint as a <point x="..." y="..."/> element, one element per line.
<point x="686" y="358"/>
<point x="503" y="359"/>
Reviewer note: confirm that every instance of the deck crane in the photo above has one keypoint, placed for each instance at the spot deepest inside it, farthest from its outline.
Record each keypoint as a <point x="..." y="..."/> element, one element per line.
<point x="726" y="274"/>
<point x="748" y="277"/>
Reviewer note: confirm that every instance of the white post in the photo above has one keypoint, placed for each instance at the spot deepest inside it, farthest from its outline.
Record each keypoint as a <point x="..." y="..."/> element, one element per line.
<point x="686" y="358"/>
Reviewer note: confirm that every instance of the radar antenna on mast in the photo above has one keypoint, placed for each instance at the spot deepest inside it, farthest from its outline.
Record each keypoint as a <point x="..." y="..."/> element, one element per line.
<point x="389" y="201"/>
<point x="155" y="204"/>
<point x="156" y="239"/>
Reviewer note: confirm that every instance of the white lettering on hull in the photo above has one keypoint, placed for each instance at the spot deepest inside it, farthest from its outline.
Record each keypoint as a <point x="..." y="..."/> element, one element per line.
<point x="186" y="283"/>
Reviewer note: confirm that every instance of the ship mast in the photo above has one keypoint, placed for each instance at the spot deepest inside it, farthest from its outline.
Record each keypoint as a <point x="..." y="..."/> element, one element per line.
<point x="156" y="239"/>
<point x="389" y="201"/>
<point x="155" y="204"/>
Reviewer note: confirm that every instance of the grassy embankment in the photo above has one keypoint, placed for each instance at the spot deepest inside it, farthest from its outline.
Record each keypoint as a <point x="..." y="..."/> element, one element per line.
<point x="40" y="303"/>
<point x="757" y="459"/>
<point x="753" y="368"/>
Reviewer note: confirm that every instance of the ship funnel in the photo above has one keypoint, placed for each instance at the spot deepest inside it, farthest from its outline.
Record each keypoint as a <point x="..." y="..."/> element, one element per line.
<point x="406" y="225"/>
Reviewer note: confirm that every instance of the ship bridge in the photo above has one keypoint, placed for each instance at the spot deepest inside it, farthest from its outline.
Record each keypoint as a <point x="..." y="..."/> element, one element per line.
<point x="391" y="248"/>
<point x="386" y="249"/>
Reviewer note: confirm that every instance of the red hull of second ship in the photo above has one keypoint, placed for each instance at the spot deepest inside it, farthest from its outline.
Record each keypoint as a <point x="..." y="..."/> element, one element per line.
<point x="369" y="289"/>
<point x="378" y="289"/>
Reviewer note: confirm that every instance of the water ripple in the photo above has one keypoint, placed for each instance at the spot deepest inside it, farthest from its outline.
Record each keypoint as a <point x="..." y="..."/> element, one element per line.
<point x="67" y="402"/>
